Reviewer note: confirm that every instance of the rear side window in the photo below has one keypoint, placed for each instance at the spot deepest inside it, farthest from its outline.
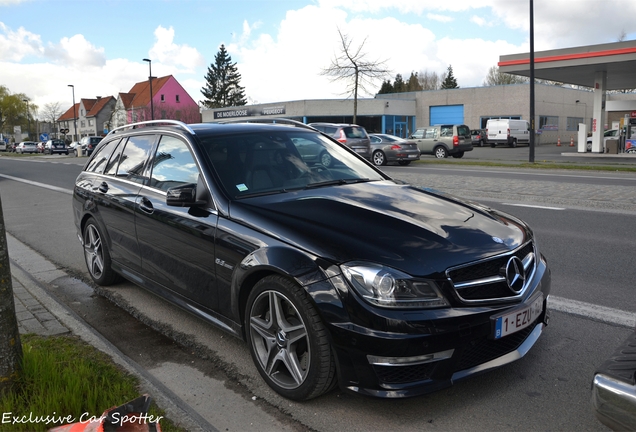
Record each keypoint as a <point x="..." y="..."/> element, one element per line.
<point x="130" y="161"/>
<point x="354" y="132"/>
<point x="330" y="130"/>
<point x="100" y="158"/>
<point x="463" y="130"/>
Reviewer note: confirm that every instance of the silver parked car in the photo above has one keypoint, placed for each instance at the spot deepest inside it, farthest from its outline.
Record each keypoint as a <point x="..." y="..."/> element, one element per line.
<point x="387" y="148"/>
<point x="27" y="147"/>
<point x="443" y="140"/>
<point x="353" y="136"/>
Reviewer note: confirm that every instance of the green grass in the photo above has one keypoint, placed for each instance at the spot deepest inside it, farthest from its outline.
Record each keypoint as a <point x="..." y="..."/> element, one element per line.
<point x="62" y="376"/>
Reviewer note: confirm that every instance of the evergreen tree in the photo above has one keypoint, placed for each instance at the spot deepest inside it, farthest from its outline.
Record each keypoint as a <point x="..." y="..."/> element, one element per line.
<point x="222" y="87"/>
<point x="387" y="87"/>
<point x="413" y="84"/>
<point x="449" y="81"/>
<point x="398" y="85"/>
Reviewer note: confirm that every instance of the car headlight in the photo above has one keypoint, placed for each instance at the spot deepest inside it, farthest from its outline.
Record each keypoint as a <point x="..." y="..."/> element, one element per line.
<point x="387" y="287"/>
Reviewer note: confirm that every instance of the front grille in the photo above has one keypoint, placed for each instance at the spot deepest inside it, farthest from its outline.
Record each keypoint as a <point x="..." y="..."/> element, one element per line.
<point x="485" y="350"/>
<point x="485" y="280"/>
<point x="404" y="374"/>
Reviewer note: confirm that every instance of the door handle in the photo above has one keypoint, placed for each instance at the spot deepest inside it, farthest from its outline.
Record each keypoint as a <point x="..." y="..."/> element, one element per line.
<point x="103" y="188"/>
<point x="145" y="205"/>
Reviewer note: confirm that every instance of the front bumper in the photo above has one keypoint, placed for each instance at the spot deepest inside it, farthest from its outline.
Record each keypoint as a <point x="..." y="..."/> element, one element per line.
<point x="614" y="388"/>
<point x="430" y="350"/>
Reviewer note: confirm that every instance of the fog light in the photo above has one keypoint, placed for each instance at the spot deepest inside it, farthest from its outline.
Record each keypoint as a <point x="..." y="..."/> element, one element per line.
<point x="409" y="361"/>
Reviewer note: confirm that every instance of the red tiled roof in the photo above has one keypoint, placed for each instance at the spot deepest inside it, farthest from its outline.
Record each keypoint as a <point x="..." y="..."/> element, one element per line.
<point x="69" y="114"/>
<point x="141" y="91"/>
<point x="98" y="106"/>
<point x="126" y="99"/>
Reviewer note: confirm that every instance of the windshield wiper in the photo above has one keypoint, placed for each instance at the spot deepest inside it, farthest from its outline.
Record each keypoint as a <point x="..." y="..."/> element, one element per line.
<point x="336" y="182"/>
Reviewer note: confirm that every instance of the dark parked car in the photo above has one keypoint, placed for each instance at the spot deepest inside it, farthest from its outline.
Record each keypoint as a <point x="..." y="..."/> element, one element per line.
<point x="55" y="146"/>
<point x="332" y="275"/>
<point x="478" y="137"/>
<point x="389" y="148"/>
<point x="88" y="144"/>
<point x="353" y="136"/>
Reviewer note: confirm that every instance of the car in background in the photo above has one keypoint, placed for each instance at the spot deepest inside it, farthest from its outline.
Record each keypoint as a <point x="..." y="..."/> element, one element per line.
<point x="387" y="148"/>
<point x="11" y="147"/>
<point x="443" y="140"/>
<point x="330" y="275"/>
<point x="41" y="146"/>
<point x="478" y="137"/>
<point x="353" y="136"/>
<point x="55" y="146"/>
<point x="27" y="147"/>
<point x="607" y="135"/>
<point x="3" y="146"/>
<point x="88" y="144"/>
<point x="614" y="388"/>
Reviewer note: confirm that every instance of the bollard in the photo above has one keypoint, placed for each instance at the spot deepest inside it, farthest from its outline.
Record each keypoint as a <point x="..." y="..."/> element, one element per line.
<point x="559" y="142"/>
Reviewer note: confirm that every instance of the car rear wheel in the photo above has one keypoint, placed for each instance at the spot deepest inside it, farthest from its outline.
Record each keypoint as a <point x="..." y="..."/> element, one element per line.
<point x="287" y="340"/>
<point x="379" y="158"/>
<point x="440" y="152"/>
<point x="458" y="155"/>
<point x="97" y="255"/>
<point x="513" y="144"/>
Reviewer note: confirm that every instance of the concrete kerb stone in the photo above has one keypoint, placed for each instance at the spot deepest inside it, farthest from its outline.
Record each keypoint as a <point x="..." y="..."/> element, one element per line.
<point x="41" y="313"/>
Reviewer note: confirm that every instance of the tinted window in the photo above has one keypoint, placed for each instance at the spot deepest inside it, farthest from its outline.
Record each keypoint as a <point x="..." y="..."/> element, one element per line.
<point x="354" y="132"/>
<point x="463" y="130"/>
<point x="134" y="156"/>
<point x="98" y="162"/>
<point x="173" y="164"/>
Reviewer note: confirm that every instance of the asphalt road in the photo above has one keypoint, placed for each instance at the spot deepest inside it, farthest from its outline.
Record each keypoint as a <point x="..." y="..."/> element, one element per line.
<point x="586" y="245"/>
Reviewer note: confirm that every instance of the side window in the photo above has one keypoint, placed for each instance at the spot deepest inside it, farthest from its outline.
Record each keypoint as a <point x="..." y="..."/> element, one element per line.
<point x="173" y="164"/>
<point x="447" y="131"/>
<point x="135" y="156"/>
<point x="101" y="156"/>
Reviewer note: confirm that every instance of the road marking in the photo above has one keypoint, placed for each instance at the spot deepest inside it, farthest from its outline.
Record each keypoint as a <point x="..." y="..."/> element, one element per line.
<point x="593" y="311"/>
<point x="534" y="206"/>
<point x="42" y="185"/>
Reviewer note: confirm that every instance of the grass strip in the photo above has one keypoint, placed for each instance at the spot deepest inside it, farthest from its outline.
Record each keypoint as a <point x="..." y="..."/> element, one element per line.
<point x="63" y="377"/>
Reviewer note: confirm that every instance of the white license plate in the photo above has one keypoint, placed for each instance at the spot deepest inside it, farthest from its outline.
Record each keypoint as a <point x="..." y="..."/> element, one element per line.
<point x="519" y="318"/>
<point x="413" y="156"/>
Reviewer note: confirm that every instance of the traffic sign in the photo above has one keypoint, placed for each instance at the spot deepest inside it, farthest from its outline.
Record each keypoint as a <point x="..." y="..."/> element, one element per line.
<point x="44" y="137"/>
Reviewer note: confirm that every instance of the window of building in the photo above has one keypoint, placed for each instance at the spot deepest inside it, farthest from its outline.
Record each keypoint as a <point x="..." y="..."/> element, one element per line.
<point x="163" y="98"/>
<point x="82" y="123"/>
<point x="573" y="123"/>
<point x="82" y="111"/>
<point x="549" y="122"/>
<point x="163" y="114"/>
<point x="177" y="99"/>
<point x="90" y="122"/>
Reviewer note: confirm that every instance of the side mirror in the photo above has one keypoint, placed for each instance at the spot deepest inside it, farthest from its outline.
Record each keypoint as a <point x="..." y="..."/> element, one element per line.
<point x="182" y="196"/>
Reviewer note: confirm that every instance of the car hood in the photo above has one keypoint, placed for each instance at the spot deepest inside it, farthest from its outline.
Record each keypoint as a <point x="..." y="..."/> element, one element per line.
<point x="421" y="232"/>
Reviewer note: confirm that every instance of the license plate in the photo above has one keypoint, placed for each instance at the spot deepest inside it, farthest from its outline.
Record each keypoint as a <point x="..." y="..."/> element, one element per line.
<point x="518" y="319"/>
<point x="413" y="156"/>
<point x="360" y="150"/>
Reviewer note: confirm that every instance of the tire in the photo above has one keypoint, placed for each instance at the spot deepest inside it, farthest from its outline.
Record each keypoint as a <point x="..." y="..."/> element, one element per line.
<point x="458" y="155"/>
<point x="513" y="144"/>
<point x="493" y="145"/>
<point x="440" y="152"/>
<point x="378" y="158"/>
<point x="404" y="163"/>
<point x="97" y="255"/>
<point x="326" y="159"/>
<point x="481" y="143"/>
<point x="290" y="347"/>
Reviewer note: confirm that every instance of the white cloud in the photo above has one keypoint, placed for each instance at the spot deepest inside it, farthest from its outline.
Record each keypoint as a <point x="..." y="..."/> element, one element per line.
<point x="75" y="52"/>
<point x="478" y="20"/>
<point x="171" y="55"/>
<point x="439" y="18"/>
<point x="16" y="45"/>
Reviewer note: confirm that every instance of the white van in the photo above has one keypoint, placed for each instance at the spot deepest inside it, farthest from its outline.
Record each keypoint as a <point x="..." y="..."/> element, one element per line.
<point x="507" y="131"/>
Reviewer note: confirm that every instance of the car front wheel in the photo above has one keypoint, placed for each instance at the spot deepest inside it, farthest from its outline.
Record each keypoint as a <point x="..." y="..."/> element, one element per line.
<point x="458" y="155"/>
<point x="97" y="255"/>
<point x="379" y="158"/>
<point x="441" y="153"/>
<point x="287" y="340"/>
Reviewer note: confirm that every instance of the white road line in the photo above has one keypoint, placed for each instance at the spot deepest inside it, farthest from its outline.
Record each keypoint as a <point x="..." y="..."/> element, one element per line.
<point x="592" y="311"/>
<point x="534" y="206"/>
<point x="42" y="185"/>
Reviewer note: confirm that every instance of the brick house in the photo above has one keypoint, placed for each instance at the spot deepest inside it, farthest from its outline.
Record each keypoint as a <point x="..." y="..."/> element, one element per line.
<point x="169" y="101"/>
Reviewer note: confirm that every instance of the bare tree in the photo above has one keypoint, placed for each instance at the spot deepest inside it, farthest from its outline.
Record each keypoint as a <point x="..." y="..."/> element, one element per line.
<point x="429" y="80"/>
<point x="10" y="345"/>
<point x="495" y="77"/>
<point x="51" y="112"/>
<point x="352" y="66"/>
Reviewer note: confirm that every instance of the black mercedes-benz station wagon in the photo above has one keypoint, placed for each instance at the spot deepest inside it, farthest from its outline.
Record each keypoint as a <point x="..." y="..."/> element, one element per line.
<point x="333" y="275"/>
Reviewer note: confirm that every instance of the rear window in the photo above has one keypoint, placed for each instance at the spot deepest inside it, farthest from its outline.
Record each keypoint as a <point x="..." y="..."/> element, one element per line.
<point x="463" y="130"/>
<point x="354" y="132"/>
<point x="57" y="142"/>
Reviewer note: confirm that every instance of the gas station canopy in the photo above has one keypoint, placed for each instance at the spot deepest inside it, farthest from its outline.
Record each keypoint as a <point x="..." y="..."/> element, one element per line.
<point x="579" y="65"/>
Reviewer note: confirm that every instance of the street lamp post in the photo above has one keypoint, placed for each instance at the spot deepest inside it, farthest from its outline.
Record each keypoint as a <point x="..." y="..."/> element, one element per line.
<point x="152" y="110"/>
<point x="74" y="114"/>
<point x="28" y="119"/>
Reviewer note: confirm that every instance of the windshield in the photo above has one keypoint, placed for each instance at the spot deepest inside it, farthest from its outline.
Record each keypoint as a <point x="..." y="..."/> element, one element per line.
<point x="262" y="163"/>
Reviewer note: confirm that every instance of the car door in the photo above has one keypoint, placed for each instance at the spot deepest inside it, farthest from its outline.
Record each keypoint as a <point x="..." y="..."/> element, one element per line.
<point x="177" y="243"/>
<point x="428" y="140"/>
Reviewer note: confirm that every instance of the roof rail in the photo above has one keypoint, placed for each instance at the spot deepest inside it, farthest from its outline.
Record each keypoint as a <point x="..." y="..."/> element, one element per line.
<point x="281" y="121"/>
<point x="149" y="122"/>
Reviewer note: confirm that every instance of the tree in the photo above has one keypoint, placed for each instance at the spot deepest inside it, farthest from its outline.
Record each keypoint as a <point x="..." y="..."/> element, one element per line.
<point x="222" y="88"/>
<point x="429" y="80"/>
<point x="449" y="81"/>
<point x="352" y="66"/>
<point x="51" y="112"/>
<point x="399" y="86"/>
<point x="10" y="345"/>
<point x="413" y="84"/>
<point x="13" y="111"/>
<point x="495" y="77"/>
<point x="386" y="87"/>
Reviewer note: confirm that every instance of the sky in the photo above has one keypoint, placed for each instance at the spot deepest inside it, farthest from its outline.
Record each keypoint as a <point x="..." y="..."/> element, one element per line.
<point x="280" y="47"/>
